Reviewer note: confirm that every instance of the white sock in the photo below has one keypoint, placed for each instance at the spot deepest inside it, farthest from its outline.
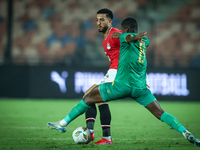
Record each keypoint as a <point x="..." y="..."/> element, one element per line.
<point x="63" y="123"/>
<point x="107" y="138"/>
<point x="184" y="132"/>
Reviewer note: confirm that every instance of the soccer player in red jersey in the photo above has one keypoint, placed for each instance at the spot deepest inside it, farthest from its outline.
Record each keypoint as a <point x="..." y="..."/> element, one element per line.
<point x="111" y="47"/>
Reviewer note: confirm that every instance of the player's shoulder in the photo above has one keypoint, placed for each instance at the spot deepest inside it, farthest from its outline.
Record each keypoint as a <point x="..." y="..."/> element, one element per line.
<point x="115" y="30"/>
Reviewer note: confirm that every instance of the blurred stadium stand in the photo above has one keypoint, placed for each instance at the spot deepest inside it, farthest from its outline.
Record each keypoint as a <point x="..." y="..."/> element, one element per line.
<point x="60" y="36"/>
<point x="63" y="32"/>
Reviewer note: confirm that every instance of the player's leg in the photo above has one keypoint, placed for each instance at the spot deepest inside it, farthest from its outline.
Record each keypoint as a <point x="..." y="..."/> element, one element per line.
<point x="105" y="118"/>
<point x="148" y="100"/>
<point x="105" y="114"/>
<point x="91" y="98"/>
<point x="90" y="114"/>
<point x="169" y="119"/>
<point x="110" y="91"/>
<point x="102" y="93"/>
<point x="159" y="113"/>
<point x="155" y="108"/>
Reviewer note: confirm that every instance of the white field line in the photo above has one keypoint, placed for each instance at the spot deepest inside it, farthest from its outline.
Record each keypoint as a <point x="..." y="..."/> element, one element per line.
<point x="97" y="129"/>
<point x="45" y="127"/>
<point x="123" y="139"/>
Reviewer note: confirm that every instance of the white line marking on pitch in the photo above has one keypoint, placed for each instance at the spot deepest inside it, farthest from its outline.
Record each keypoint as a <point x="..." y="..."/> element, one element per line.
<point x="124" y="139"/>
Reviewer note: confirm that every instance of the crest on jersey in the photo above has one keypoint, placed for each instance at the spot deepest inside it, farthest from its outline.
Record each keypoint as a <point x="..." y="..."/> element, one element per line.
<point x="108" y="46"/>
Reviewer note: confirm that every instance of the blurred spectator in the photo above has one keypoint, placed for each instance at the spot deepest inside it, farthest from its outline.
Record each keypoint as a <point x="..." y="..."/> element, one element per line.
<point x="46" y="7"/>
<point x="67" y="38"/>
<point x="27" y="23"/>
<point x="46" y="56"/>
<point x="60" y="33"/>
<point x="94" y="52"/>
<point x="142" y="4"/>
<point x="89" y="24"/>
<point x="92" y="45"/>
<point x="119" y="16"/>
<point x="55" y="32"/>
<point x="23" y="51"/>
<point x="75" y="33"/>
<point x="68" y="54"/>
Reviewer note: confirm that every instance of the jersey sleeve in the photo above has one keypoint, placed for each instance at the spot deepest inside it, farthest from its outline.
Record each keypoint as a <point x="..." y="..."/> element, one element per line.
<point x="116" y="42"/>
<point x="122" y="37"/>
<point x="146" y="40"/>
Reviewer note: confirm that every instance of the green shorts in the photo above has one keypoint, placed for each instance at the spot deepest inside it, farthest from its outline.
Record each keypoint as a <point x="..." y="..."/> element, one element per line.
<point x="118" y="90"/>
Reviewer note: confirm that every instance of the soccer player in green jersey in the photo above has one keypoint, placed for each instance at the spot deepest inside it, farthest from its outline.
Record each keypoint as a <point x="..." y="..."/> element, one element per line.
<point x="130" y="81"/>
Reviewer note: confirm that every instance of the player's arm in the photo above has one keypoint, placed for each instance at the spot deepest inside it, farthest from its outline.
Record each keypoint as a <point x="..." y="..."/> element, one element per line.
<point x="134" y="38"/>
<point x="116" y="35"/>
<point x="129" y="37"/>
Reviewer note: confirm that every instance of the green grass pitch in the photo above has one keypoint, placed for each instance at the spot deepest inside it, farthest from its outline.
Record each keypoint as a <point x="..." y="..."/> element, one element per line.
<point x="23" y="126"/>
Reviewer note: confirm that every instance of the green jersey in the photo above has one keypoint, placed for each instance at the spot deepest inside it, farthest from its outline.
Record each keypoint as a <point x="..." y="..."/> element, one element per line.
<point x="132" y="62"/>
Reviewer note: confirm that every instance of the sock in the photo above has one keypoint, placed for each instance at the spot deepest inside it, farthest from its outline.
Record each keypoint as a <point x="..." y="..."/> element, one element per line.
<point x="90" y="116"/>
<point x="79" y="109"/>
<point x="108" y="138"/>
<point x="105" y="117"/>
<point x="184" y="132"/>
<point x="173" y="122"/>
<point x="63" y="123"/>
<point x="106" y="131"/>
<point x="92" y="131"/>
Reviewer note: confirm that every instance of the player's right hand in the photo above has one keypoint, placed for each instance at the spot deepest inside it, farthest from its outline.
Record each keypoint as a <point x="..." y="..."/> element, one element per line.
<point x="140" y="36"/>
<point x="116" y="35"/>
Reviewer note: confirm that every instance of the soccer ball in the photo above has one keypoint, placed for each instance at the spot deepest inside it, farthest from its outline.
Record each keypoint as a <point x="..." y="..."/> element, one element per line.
<point x="81" y="135"/>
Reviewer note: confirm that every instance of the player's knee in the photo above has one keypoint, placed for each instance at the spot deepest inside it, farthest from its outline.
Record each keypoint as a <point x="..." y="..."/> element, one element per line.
<point x="158" y="114"/>
<point x="88" y="100"/>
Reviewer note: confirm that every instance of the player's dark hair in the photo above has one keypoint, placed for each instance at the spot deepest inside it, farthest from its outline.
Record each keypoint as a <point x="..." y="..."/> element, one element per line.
<point x="106" y="11"/>
<point x="131" y="24"/>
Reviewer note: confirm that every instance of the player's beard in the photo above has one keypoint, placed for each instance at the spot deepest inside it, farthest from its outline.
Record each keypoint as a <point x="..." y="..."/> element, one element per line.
<point x="104" y="29"/>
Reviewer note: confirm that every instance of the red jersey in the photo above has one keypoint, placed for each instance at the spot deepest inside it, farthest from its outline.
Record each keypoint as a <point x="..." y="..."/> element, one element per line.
<point x="111" y="47"/>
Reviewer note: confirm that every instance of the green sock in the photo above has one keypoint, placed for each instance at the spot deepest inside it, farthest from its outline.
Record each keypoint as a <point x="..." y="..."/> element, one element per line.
<point x="173" y="122"/>
<point x="79" y="109"/>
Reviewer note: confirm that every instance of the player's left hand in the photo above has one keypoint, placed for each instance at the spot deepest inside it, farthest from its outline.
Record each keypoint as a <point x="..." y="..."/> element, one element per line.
<point x="116" y="35"/>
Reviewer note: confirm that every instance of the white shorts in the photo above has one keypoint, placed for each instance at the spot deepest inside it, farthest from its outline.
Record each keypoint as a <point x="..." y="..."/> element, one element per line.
<point x="109" y="77"/>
